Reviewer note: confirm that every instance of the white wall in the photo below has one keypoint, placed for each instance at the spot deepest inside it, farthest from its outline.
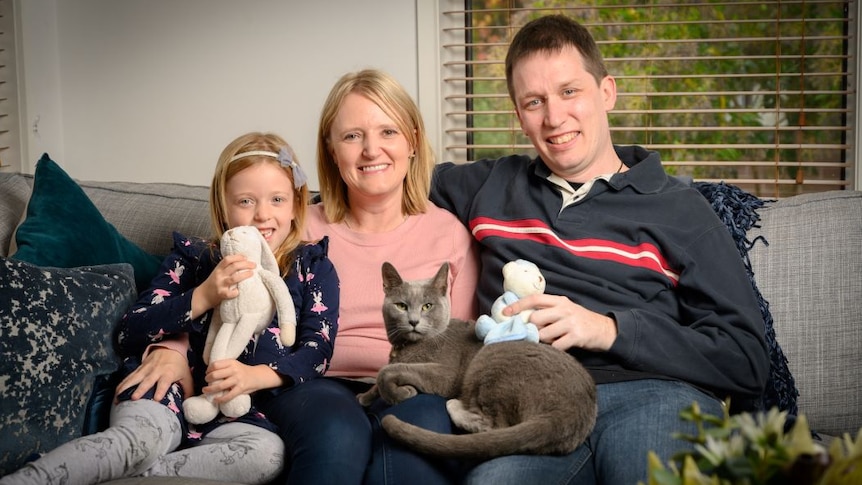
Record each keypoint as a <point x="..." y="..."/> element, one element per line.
<point x="152" y="90"/>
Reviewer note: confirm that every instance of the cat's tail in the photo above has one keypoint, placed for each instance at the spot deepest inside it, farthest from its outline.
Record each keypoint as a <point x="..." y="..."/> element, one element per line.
<point x="534" y="437"/>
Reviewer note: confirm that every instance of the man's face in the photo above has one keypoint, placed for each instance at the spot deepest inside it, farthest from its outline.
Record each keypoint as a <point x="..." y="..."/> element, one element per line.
<point x="564" y="113"/>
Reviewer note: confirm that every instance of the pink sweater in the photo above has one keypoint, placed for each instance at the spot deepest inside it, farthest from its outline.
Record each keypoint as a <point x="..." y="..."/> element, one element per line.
<point x="416" y="248"/>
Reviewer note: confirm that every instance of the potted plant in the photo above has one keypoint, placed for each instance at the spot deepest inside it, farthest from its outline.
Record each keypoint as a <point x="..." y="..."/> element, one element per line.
<point x="763" y="448"/>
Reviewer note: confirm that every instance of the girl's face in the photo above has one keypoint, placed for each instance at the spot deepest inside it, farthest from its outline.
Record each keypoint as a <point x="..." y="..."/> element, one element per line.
<point x="371" y="151"/>
<point x="261" y="195"/>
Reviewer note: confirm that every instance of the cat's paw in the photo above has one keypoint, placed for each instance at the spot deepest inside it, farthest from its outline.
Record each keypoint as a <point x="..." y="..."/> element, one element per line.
<point x="366" y="398"/>
<point x="466" y="419"/>
<point x="403" y="393"/>
<point x="396" y="394"/>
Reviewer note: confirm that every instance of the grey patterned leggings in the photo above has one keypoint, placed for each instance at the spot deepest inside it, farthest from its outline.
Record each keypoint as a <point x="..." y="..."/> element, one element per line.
<point x="140" y="442"/>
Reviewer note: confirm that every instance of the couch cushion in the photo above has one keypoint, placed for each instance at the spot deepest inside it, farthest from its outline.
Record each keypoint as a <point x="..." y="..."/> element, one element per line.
<point x="148" y="213"/>
<point x="811" y="273"/>
<point x="56" y="325"/>
<point x="63" y="228"/>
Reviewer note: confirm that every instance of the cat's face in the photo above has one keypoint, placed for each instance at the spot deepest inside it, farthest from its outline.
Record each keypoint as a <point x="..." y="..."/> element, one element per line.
<point x="415" y="310"/>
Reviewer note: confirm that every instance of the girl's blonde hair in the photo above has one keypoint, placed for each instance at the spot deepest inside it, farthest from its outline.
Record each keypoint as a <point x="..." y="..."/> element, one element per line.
<point x="227" y="168"/>
<point x="392" y="98"/>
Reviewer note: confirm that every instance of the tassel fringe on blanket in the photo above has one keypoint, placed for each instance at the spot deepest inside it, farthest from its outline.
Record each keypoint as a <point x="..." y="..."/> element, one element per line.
<point x="738" y="210"/>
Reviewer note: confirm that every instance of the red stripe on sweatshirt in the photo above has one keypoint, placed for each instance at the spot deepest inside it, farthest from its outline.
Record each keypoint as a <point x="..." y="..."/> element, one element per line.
<point x="640" y="256"/>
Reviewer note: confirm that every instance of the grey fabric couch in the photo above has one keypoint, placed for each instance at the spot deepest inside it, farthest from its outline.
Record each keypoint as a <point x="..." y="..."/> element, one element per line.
<point x="810" y="273"/>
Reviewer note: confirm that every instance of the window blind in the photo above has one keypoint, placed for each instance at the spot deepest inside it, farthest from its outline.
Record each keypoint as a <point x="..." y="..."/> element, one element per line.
<point x="760" y="94"/>
<point x="9" y="132"/>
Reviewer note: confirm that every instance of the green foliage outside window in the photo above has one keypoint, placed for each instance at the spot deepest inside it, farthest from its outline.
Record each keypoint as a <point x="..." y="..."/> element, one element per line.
<point x="737" y="119"/>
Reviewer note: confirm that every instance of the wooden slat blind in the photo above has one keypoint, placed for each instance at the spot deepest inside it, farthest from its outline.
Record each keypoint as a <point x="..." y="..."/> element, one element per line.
<point x="756" y="93"/>
<point x="9" y="132"/>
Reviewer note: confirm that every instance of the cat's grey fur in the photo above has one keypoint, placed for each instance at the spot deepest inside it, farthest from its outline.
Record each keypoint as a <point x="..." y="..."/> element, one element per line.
<point x="512" y="397"/>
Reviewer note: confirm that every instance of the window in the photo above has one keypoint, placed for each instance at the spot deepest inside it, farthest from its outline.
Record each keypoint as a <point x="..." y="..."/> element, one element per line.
<point x="760" y="94"/>
<point x="9" y="132"/>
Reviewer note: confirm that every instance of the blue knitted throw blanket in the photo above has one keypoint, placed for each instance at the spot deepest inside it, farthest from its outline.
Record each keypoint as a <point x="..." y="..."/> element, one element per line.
<point x="738" y="210"/>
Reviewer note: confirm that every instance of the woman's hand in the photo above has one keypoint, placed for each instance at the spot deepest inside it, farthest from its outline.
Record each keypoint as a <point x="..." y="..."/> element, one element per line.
<point x="565" y="324"/>
<point x="221" y="284"/>
<point x="161" y="368"/>
<point x="235" y="378"/>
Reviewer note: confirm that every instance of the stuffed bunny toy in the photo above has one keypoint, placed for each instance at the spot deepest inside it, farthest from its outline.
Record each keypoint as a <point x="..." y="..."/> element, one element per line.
<point x="238" y="320"/>
<point x="520" y="278"/>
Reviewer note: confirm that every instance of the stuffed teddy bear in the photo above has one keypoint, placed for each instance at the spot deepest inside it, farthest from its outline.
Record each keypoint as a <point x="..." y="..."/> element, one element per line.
<point x="238" y="320"/>
<point x="520" y="278"/>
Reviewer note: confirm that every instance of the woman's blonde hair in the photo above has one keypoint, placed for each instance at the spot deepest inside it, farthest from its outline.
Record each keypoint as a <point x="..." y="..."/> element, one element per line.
<point x="227" y="168"/>
<point x="384" y="91"/>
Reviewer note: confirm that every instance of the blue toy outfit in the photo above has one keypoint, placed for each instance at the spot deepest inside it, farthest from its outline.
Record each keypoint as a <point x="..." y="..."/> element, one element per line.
<point x="509" y="330"/>
<point x="525" y="278"/>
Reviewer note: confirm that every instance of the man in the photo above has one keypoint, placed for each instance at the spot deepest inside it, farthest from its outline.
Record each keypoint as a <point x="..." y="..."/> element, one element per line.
<point x="644" y="283"/>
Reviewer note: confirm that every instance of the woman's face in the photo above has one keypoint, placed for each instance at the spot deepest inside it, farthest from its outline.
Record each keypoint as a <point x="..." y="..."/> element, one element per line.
<point x="370" y="150"/>
<point x="261" y="195"/>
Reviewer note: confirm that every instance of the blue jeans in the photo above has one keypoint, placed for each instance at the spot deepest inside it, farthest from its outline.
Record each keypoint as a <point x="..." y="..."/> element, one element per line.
<point x="326" y="433"/>
<point x="393" y="463"/>
<point x="329" y="437"/>
<point x="635" y="417"/>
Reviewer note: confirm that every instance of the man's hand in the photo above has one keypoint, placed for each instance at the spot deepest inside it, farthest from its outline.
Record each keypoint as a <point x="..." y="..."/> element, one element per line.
<point x="161" y="368"/>
<point x="235" y="378"/>
<point x="565" y="324"/>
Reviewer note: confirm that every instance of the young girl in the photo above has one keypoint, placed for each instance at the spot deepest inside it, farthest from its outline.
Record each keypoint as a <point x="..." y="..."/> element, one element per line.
<point x="257" y="182"/>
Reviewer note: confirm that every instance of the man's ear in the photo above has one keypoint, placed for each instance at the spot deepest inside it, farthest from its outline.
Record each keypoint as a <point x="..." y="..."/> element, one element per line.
<point x="608" y="87"/>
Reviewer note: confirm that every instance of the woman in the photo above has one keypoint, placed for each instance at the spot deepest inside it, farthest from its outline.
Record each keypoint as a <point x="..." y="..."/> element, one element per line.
<point x="375" y="167"/>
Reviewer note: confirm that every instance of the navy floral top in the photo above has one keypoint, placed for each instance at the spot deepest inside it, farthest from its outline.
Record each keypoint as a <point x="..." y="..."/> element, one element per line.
<point x="163" y="311"/>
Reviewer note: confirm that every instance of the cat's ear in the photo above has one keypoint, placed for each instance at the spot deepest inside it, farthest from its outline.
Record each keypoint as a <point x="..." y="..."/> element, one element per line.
<point x="441" y="279"/>
<point x="391" y="278"/>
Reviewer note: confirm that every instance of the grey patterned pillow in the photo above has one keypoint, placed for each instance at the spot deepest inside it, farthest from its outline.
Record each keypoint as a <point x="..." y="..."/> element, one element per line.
<point x="56" y="328"/>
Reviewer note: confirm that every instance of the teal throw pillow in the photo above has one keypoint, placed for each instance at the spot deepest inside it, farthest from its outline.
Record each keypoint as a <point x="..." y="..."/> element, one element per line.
<point x="63" y="228"/>
<point x="57" y="326"/>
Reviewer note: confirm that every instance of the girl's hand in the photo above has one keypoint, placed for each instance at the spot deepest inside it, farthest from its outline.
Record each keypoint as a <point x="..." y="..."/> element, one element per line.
<point x="235" y="378"/>
<point x="565" y="324"/>
<point x="161" y="368"/>
<point x="221" y="284"/>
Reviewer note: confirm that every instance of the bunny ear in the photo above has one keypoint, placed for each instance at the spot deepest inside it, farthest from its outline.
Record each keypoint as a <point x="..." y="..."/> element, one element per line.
<point x="267" y="258"/>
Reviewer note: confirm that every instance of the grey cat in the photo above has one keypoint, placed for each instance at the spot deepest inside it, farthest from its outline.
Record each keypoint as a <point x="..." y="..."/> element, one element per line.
<point x="512" y="397"/>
